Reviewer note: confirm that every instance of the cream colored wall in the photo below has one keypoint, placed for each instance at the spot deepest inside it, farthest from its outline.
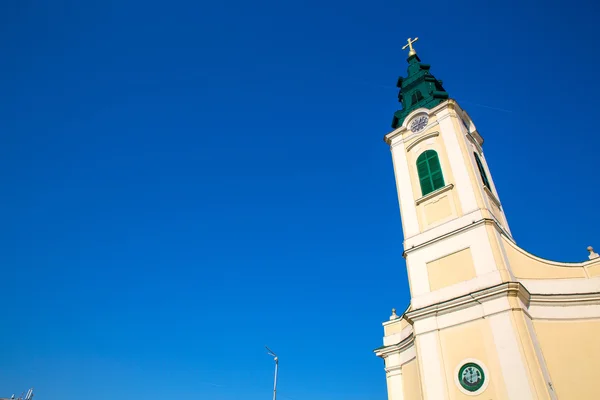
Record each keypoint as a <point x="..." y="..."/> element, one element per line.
<point x="593" y="269"/>
<point x="453" y="268"/>
<point x="501" y="262"/>
<point x="533" y="360"/>
<point x="412" y="380"/>
<point x="395" y="326"/>
<point x="527" y="266"/>
<point x="471" y="340"/>
<point x="444" y="206"/>
<point x="474" y="238"/>
<point x="437" y="210"/>
<point x="572" y="352"/>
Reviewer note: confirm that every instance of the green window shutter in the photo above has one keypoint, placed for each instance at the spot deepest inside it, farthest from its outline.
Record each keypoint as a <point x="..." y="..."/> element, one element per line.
<point x="430" y="172"/>
<point x="426" y="186"/>
<point x="484" y="177"/>
<point x="423" y="171"/>
<point x="437" y="178"/>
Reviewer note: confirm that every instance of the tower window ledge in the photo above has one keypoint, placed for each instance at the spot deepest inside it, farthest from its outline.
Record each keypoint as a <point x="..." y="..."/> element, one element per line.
<point x="492" y="196"/>
<point x="433" y="194"/>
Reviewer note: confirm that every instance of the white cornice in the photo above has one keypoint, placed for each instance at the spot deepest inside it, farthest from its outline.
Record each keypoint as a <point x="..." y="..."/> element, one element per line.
<point x="442" y="236"/>
<point x="505" y="289"/>
<point x="562" y="300"/>
<point x="475" y="142"/>
<point x="399" y="347"/>
<point x="419" y="140"/>
<point x="389" y="138"/>
<point x="434" y="193"/>
<point x="492" y="197"/>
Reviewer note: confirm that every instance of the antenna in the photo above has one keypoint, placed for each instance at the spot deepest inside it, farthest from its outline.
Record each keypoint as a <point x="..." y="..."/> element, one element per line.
<point x="272" y="354"/>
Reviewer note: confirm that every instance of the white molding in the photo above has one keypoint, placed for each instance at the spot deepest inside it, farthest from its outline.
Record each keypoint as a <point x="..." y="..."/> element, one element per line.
<point x="433" y="194"/>
<point x="492" y="197"/>
<point x="408" y="355"/>
<point x="410" y="135"/>
<point x="486" y="374"/>
<point x="562" y="286"/>
<point x="396" y="356"/>
<point x="438" y="232"/>
<point x="565" y="299"/>
<point x="391" y="138"/>
<point x="494" y="300"/>
<point x="397" y="348"/>
<point x="475" y="142"/>
<point x="398" y="337"/>
<point x="573" y="312"/>
<point x="457" y="290"/>
<point x="419" y="140"/>
<point x="476" y="298"/>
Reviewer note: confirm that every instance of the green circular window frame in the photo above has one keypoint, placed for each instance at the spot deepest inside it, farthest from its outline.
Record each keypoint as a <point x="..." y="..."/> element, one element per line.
<point x="479" y="385"/>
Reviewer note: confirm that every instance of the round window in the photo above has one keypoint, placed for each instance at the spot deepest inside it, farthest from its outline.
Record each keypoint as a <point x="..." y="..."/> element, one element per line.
<point x="471" y="376"/>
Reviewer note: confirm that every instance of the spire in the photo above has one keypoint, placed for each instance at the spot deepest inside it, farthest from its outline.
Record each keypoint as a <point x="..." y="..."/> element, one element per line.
<point x="419" y="89"/>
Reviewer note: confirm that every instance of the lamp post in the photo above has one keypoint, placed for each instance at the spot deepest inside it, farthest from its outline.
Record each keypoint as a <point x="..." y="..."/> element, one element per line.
<point x="270" y="352"/>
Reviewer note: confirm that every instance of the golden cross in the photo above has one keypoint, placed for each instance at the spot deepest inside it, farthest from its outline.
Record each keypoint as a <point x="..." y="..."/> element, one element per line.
<point x="409" y="44"/>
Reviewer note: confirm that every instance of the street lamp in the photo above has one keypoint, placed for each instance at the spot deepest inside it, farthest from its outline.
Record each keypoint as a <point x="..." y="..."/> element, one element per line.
<point x="270" y="352"/>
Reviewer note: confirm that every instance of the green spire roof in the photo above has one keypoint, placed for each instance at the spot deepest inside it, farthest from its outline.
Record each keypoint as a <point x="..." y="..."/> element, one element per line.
<point x="418" y="89"/>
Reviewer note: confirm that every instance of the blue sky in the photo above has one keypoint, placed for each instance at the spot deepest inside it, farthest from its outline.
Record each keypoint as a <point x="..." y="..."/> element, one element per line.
<point x="185" y="182"/>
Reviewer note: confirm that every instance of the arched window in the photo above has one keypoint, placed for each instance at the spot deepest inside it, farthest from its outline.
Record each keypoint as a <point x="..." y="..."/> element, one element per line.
<point x="430" y="172"/>
<point x="484" y="177"/>
<point x="416" y="97"/>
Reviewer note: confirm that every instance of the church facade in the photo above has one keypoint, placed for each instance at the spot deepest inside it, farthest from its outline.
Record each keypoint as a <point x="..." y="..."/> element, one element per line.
<point x="486" y="319"/>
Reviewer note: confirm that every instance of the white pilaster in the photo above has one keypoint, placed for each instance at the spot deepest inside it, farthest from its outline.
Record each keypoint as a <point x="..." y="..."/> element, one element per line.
<point x="434" y="384"/>
<point x="540" y="357"/>
<point x="457" y="162"/>
<point x="408" y="209"/>
<point x="516" y="378"/>
<point x="395" y="383"/>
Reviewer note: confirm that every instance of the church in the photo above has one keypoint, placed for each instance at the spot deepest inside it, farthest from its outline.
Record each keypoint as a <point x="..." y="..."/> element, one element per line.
<point x="486" y="319"/>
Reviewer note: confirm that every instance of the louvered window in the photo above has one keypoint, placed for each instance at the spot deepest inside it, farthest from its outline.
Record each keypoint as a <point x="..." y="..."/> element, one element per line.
<point x="430" y="172"/>
<point x="416" y="97"/>
<point x="484" y="177"/>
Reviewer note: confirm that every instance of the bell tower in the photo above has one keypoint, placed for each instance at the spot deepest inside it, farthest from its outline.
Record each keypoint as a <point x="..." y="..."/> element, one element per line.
<point x="449" y="205"/>
<point x="482" y="309"/>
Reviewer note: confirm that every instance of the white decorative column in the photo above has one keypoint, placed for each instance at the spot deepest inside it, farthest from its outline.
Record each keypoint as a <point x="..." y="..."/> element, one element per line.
<point x="394" y="382"/>
<point x="512" y="364"/>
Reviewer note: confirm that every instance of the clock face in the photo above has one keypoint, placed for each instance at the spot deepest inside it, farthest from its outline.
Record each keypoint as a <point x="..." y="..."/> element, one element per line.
<point x="471" y="377"/>
<point x="419" y="123"/>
